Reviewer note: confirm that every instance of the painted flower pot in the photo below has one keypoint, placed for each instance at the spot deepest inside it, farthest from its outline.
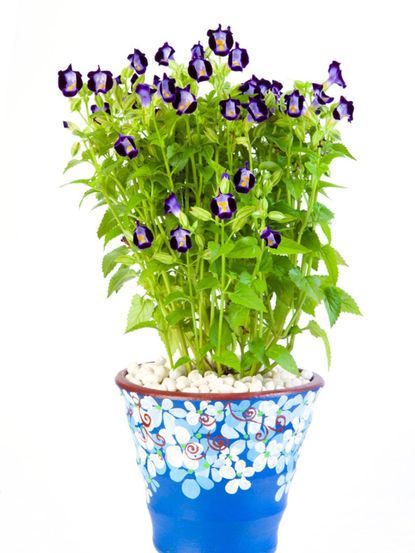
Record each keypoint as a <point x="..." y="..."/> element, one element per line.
<point x="217" y="467"/>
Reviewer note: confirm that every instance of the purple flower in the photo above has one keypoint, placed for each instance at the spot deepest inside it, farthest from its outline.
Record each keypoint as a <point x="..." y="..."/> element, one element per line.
<point x="320" y="97"/>
<point x="180" y="240"/>
<point x="65" y="124"/>
<point x="166" y="87"/>
<point x="250" y="86"/>
<point x="105" y="108"/>
<point x="100" y="81"/>
<point x="118" y="79"/>
<point x="238" y="58"/>
<point x="69" y="81"/>
<point x="335" y="75"/>
<point x="200" y="69"/>
<point x="171" y="205"/>
<point x="145" y="92"/>
<point x="138" y="61"/>
<point x="244" y="179"/>
<point x="294" y="103"/>
<point x="225" y="176"/>
<point x="184" y="101"/>
<point x="164" y="54"/>
<point x="230" y="109"/>
<point x="344" y="109"/>
<point x="276" y="88"/>
<point x="197" y="51"/>
<point x="220" y="42"/>
<point x="223" y="205"/>
<point x="257" y="109"/>
<point x="272" y="237"/>
<point x="125" y="146"/>
<point x="142" y="236"/>
<point x="263" y="85"/>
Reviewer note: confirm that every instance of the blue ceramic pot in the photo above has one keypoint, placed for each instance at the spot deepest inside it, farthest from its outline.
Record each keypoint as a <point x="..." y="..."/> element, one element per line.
<point x="217" y="467"/>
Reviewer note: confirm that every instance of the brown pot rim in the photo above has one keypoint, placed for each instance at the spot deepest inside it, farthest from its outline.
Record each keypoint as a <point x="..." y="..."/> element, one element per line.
<point x="121" y="381"/>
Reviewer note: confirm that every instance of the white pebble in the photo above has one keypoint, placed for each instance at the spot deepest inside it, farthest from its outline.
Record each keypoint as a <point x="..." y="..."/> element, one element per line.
<point x="240" y="387"/>
<point x="161" y="361"/>
<point x="228" y="379"/>
<point x="175" y="373"/>
<point x="191" y="390"/>
<point x="269" y="385"/>
<point x="169" y="384"/>
<point x="161" y="372"/>
<point x="255" y="386"/>
<point x="195" y="377"/>
<point x="204" y="389"/>
<point x="182" y="382"/>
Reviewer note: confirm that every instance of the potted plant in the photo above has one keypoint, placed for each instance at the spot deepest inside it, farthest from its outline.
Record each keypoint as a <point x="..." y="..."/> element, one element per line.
<point x="213" y="197"/>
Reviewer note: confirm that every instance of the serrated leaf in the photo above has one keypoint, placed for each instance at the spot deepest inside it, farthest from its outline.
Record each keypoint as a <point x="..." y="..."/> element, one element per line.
<point x="332" y="301"/>
<point x="348" y="304"/>
<point x="309" y="285"/>
<point x="288" y="247"/>
<point x="179" y="315"/>
<point x="245" y="295"/>
<point x="108" y="222"/>
<point x="237" y="316"/>
<point x="73" y="163"/>
<point x="318" y="332"/>
<point x="342" y="150"/>
<point x="283" y="357"/>
<point x="119" y="279"/>
<point x="140" y="314"/>
<point x="110" y="259"/>
<point x="177" y="295"/>
<point x="229" y="359"/>
<point x="245" y="248"/>
<point x="330" y="259"/>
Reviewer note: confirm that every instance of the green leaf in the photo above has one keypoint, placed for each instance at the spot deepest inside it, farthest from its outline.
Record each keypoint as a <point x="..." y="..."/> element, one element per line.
<point x="108" y="222"/>
<point x="283" y="357"/>
<point x="229" y="359"/>
<point x="182" y="361"/>
<point x="288" y="247"/>
<point x="257" y="348"/>
<point x="268" y="166"/>
<point x="348" y="304"/>
<point x="178" y="295"/>
<point x="329" y="256"/>
<point x="164" y="258"/>
<point x="110" y="259"/>
<point x="333" y="302"/>
<point x="245" y="295"/>
<point x="319" y="332"/>
<point x="342" y="150"/>
<point x="119" y="279"/>
<point x="200" y="213"/>
<point x="237" y="316"/>
<point x="73" y="163"/>
<point x="245" y="248"/>
<point x="206" y="283"/>
<point x="140" y="314"/>
<point x="309" y="285"/>
<point x="179" y="315"/>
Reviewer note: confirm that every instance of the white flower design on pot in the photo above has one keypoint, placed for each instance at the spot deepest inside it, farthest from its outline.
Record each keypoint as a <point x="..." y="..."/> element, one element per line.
<point x="237" y="476"/>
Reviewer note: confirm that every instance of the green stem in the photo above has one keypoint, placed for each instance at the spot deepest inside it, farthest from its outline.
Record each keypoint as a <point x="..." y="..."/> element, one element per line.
<point x="222" y="297"/>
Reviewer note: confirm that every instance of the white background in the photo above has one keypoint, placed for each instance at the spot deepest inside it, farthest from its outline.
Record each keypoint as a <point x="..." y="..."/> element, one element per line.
<point x="68" y="480"/>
